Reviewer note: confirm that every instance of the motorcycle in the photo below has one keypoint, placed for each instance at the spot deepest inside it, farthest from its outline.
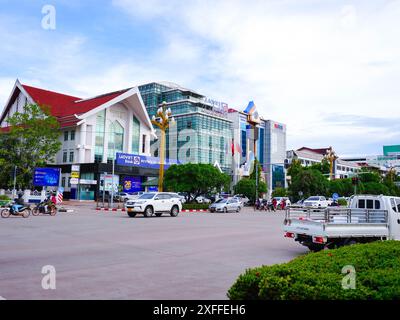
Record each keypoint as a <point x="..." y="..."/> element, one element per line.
<point x="22" y="210"/>
<point x="45" y="207"/>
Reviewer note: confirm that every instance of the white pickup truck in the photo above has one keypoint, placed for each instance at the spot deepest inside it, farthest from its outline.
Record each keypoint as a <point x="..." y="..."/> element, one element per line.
<point x="367" y="218"/>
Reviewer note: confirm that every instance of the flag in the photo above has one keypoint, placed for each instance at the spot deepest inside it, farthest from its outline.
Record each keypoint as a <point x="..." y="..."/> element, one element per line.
<point x="250" y="108"/>
<point x="238" y="148"/>
<point x="233" y="148"/>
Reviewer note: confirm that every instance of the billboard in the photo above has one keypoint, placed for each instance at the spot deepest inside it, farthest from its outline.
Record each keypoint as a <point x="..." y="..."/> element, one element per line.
<point x="132" y="184"/>
<point x="133" y="160"/>
<point x="46" y="177"/>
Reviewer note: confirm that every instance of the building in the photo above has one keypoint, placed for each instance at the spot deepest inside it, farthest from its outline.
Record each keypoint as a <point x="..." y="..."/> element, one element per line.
<point x="270" y="149"/>
<point x="390" y="159"/>
<point x="202" y="127"/>
<point x="93" y="130"/>
<point x="309" y="156"/>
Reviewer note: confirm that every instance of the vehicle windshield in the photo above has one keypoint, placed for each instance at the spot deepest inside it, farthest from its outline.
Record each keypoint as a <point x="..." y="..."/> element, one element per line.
<point x="147" y="196"/>
<point x="221" y="201"/>
<point x="313" y="198"/>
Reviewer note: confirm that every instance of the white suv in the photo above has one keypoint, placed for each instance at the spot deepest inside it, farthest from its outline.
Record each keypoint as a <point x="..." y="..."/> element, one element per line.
<point x="156" y="203"/>
<point x="315" y="202"/>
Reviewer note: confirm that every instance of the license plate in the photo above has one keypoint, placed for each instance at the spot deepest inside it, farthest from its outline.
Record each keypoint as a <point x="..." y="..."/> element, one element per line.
<point x="130" y="209"/>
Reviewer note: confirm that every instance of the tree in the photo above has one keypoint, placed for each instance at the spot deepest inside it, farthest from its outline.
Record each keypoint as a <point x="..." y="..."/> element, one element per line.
<point x="323" y="167"/>
<point x="280" y="192"/>
<point x="253" y="174"/>
<point x="31" y="142"/>
<point x="309" y="182"/>
<point x="295" y="168"/>
<point x="343" y="187"/>
<point x="247" y="187"/>
<point x="195" y="179"/>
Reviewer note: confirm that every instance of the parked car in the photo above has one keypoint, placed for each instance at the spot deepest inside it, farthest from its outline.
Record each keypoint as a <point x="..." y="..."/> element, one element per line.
<point x="226" y="205"/>
<point x="201" y="199"/>
<point x="178" y="196"/>
<point x="157" y="203"/>
<point x="315" y="202"/>
<point x="243" y="199"/>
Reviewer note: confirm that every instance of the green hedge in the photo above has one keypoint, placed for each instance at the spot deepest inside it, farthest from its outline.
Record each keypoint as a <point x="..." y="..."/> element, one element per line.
<point x="195" y="206"/>
<point x="318" y="276"/>
<point x="4" y="197"/>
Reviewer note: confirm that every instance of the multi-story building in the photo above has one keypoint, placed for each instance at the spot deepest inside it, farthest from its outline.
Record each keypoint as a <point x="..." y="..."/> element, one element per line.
<point x="202" y="127"/>
<point x="309" y="156"/>
<point x="93" y="130"/>
<point x="270" y="149"/>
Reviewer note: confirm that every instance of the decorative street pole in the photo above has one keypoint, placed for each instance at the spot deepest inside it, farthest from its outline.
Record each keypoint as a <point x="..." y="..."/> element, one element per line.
<point x="331" y="157"/>
<point x="163" y="120"/>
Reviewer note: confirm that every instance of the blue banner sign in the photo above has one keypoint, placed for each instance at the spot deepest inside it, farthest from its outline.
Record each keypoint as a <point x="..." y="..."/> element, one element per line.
<point x="46" y="177"/>
<point x="134" y="160"/>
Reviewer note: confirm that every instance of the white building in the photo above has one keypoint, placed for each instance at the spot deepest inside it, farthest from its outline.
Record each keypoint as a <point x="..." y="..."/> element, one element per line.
<point x="92" y="130"/>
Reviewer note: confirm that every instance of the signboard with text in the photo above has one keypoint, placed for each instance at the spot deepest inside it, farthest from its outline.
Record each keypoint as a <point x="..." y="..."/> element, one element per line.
<point x="133" y="160"/>
<point x="132" y="184"/>
<point x="46" y="177"/>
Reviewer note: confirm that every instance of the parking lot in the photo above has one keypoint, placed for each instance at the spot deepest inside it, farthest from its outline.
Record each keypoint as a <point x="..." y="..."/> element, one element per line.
<point x="107" y="255"/>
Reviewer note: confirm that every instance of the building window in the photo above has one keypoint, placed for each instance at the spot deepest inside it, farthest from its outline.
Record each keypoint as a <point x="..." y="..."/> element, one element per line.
<point x="69" y="182"/>
<point x="144" y="143"/>
<point x="65" y="135"/>
<point x="71" y="156"/>
<point x="115" y="140"/>
<point x="72" y="135"/>
<point x="65" y="155"/>
<point x="63" y="182"/>
<point x="135" y="135"/>
<point x="99" y="139"/>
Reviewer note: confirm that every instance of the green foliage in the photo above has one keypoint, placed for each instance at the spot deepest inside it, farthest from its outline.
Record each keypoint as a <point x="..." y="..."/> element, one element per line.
<point x="375" y="188"/>
<point x="318" y="276"/>
<point x="195" y="179"/>
<point x="253" y="173"/>
<point x="323" y="167"/>
<point x="295" y="168"/>
<point x="343" y="187"/>
<point x="32" y="142"/>
<point x="247" y="187"/>
<point x="366" y="175"/>
<point x="280" y="192"/>
<point x="195" y="206"/>
<point x="4" y="197"/>
<point x="342" y="202"/>
<point x="310" y="182"/>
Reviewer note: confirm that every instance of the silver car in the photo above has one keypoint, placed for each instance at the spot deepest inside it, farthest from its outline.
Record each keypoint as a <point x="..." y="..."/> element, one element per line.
<point x="226" y="205"/>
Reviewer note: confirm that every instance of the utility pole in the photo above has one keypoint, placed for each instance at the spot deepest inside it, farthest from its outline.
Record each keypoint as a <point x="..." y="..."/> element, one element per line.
<point x="15" y="181"/>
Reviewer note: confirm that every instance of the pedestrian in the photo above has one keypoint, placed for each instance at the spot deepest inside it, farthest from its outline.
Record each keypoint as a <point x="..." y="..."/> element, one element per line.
<point x="274" y="204"/>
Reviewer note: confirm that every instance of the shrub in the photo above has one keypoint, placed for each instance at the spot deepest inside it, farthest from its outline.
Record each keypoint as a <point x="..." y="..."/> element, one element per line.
<point x="4" y="197"/>
<point x="342" y="202"/>
<point x="319" y="275"/>
<point x="195" y="206"/>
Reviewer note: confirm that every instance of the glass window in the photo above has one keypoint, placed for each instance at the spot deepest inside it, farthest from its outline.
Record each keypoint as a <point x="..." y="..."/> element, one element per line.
<point x="393" y="204"/>
<point x="71" y="156"/>
<point x="65" y="155"/>
<point x="115" y="139"/>
<point x="63" y="182"/>
<point x="72" y="135"/>
<point x="135" y="135"/>
<point x="99" y="140"/>
<point x="370" y="204"/>
<point x="398" y="204"/>
<point x="377" y="204"/>
<point x="65" y="135"/>
<point x="144" y="143"/>
<point x="361" y="203"/>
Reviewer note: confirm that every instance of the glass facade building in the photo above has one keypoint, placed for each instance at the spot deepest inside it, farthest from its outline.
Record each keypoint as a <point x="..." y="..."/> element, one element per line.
<point x="200" y="134"/>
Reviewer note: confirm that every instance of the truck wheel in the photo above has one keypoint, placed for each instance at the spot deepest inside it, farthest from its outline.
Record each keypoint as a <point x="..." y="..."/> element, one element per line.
<point x="132" y="214"/>
<point x="174" y="211"/>
<point x="148" y="212"/>
<point x="315" y="247"/>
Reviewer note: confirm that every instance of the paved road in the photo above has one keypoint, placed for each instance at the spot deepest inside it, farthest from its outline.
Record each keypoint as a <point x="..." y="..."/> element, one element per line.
<point x="104" y="255"/>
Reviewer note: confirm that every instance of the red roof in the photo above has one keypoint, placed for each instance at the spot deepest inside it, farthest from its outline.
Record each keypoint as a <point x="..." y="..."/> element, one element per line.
<point x="64" y="107"/>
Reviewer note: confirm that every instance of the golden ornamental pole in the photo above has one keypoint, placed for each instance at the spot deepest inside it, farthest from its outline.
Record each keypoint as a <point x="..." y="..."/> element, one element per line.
<point x="162" y="121"/>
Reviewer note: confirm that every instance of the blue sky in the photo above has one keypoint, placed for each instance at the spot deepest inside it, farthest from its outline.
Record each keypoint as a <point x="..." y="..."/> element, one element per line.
<point x="329" y="69"/>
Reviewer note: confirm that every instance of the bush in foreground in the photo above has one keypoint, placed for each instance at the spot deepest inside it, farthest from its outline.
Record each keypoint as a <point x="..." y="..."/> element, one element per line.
<point x="318" y="276"/>
<point x="195" y="206"/>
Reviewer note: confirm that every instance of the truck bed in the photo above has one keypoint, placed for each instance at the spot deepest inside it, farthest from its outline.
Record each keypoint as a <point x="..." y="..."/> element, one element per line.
<point x="337" y="223"/>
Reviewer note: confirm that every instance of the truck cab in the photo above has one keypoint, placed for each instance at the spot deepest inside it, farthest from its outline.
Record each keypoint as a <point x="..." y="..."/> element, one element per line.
<point x="367" y="218"/>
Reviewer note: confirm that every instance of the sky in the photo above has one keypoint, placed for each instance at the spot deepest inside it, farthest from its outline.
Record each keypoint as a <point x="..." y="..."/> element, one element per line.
<point x="328" y="69"/>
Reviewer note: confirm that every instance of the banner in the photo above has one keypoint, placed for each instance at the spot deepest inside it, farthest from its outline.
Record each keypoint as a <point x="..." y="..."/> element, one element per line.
<point x="133" y="160"/>
<point x="46" y="177"/>
<point x="132" y="184"/>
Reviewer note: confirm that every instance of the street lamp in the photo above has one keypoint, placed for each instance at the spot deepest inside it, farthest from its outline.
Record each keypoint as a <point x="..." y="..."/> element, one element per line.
<point x="162" y="120"/>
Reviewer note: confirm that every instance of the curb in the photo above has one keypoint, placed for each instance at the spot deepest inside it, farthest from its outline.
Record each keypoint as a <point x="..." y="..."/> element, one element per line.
<point x="200" y="210"/>
<point x="110" y="209"/>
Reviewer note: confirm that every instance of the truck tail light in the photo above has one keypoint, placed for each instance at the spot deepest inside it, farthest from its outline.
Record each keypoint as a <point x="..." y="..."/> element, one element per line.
<point x="320" y="240"/>
<point x="289" y="235"/>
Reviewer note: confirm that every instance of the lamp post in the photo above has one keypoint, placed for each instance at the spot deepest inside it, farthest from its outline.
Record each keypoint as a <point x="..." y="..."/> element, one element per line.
<point x="162" y="120"/>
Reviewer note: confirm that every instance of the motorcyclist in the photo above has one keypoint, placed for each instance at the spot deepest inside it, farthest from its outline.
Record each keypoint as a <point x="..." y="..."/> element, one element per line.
<point x="18" y="204"/>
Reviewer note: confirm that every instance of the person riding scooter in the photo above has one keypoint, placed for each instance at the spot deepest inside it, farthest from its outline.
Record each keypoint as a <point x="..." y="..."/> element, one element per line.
<point x="18" y="204"/>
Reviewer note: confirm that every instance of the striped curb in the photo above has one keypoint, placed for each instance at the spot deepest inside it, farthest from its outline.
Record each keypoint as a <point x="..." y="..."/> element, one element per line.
<point x="110" y="209"/>
<point x="200" y="210"/>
